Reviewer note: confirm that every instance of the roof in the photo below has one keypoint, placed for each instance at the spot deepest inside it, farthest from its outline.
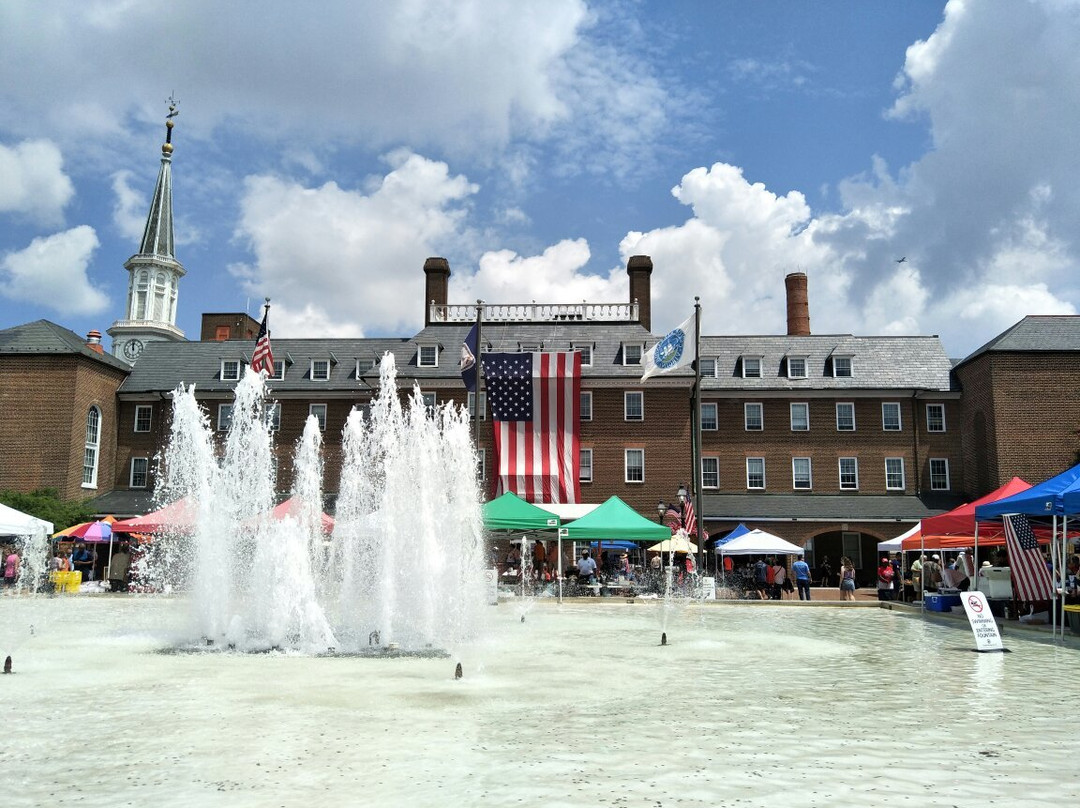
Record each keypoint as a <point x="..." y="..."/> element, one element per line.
<point x="877" y="362"/>
<point x="45" y="337"/>
<point x="823" y="507"/>
<point x="1036" y="332"/>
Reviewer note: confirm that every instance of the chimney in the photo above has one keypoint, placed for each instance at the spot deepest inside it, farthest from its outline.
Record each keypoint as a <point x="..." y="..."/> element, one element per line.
<point x="93" y="341"/>
<point x="639" y="268"/>
<point x="798" y="308"/>
<point x="436" y="285"/>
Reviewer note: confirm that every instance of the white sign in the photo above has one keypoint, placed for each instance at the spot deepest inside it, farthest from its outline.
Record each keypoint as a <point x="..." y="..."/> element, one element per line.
<point x="491" y="586"/>
<point x="983" y="625"/>
<point x="708" y="588"/>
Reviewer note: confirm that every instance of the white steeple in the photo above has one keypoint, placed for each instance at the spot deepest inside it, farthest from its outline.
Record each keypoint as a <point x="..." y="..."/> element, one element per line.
<point x="154" y="273"/>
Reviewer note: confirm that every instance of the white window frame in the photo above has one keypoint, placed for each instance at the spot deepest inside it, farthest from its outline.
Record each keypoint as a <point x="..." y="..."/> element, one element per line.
<point x="840" y="404"/>
<point x="224" y="417"/>
<point x="840" y="473"/>
<point x="585" y="465"/>
<point x="903" y="475"/>
<point x="710" y="473"/>
<point x="92" y="447"/>
<point x="851" y="543"/>
<point x="279" y="371"/>
<point x="639" y="347"/>
<point x="804" y="361"/>
<point x="585" y="411"/>
<point x="230" y="370"/>
<point x="806" y="409"/>
<point x="708" y="367"/>
<point x="746" y="416"/>
<point x="797" y="475"/>
<point x="319" y="410"/>
<point x="947" y="486"/>
<point x="940" y="407"/>
<point x="628" y="396"/>
<point x="427" y="356"/>
<point x="899" y="417"/>
<point x="626" y="465"/>
<point x="586" y="351"/>
<point x="430" y="399"/>
<point x="714" y="408"/>
<point x="145" y="463"/>
<point x="848" y="362"/>
<point x="756" y="461"/>
<point x="148" y="410"/>
<point x="471" y="404"/>
<point x="319" y="363"/>
<point x="758" y="364"/>
<point x="273" y="416"/>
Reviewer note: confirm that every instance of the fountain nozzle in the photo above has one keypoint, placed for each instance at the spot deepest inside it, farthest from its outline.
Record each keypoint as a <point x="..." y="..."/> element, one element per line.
<point x="663" y="638"/>
<point x="522" y="618"/>
<point x="7" y="665"/>
<point x="457" y="671"/>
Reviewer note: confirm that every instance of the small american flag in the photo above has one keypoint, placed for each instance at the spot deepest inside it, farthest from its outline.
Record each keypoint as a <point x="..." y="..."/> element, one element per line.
<point x="689" y="517"/>
<point x="1029" y="572"/>
<point x="263" y="357"/>
<point x="535" y="400"/>
<point x="673" y="518"/>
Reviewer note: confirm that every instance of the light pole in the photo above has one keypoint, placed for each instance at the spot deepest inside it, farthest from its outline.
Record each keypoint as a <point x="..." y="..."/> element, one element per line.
<point x="661" y="509"/>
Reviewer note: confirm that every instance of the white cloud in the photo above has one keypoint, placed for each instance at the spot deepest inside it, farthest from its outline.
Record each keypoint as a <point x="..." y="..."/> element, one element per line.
<point x="130" y="207"/>
<point x="52" y="272"/>
<point x="33" y="182"/>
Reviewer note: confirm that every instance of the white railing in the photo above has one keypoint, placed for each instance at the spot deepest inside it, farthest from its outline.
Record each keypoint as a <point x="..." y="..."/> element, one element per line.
<point x="535" y="312"/>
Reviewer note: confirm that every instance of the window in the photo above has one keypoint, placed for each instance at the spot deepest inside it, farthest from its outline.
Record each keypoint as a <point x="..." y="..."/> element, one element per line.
<point x="142" y="290"/>
<point x="935" y="417"/>
<point x="273" y="416"/>
<point x="279" y="371"/>
<point x="709" y="420"/>
<point x="221" y="333"/>
<point x="481" y="464"/>
<point x="852" y="547"/>
<point x="800" y="417"/>
<point x="90" y="448"/>
<point x="890" y="416"/>
<point x="849" y="473"/>
<point x="586" y="405"/>
<point x="143" y="415"/>
<point x="753" y="418"/>
<point x="230" y="370"/>
<point x="755" y="472"/>
<point x="939" y="474"/>
<point x="631" y="353"/>
<point x="800" y="474"/>
<point x="159" y="297"/>
<point x="585" y="465"/>
<point x="710" y="472"/>
<point x="139" y="468"/>
<point x="585" y="349"/>
<point x="708" y="368"/>
<point x="428" y="356"/>
<point x="429" y="401"/>
<point x="751" y="367"/>
<point x="224" y="417"/>
<point x="841" y="366"/>
<point x="320" y="370"/>
<point x="796" y="367"/>
<point x="894" y="474"/>
<point x="845" y="417"/>
<point x="635" y="465"/>
<point x="634" y="406"/>
<point x="472" y="405"/>
<point x="319" y="411"/>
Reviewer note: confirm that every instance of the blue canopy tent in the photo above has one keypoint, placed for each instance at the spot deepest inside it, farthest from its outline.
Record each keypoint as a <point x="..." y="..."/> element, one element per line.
<point x="740" y="530"/>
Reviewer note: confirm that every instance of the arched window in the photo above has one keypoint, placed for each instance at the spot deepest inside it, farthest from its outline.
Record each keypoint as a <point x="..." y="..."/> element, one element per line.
<point x="159" y="297"/>
<point x="172" y="300"/>
<point x="142" y="291"/>
<point x="90" y="452"/>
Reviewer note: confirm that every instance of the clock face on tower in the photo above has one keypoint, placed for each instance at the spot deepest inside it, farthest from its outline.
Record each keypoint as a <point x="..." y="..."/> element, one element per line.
<point x="132" y="348"/>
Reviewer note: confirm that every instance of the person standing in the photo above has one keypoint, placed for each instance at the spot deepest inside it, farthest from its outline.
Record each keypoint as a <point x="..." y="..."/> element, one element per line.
<point x="118" y="569"/>
<point x="932" y="573"/>
<point x="801" y="570"/>
<point x="780" y="580"/>
<point x="826" y="571"/>
<point x="11" y="567"/>
<point x="917" y="576"/>
<point x="847" y="579"/>
<point x="539" y="557"/>
<point x="586" y="568"/>
<point x="885" y="576"/>
<point x="83" y="561"/>
<point x="761" y="577"/>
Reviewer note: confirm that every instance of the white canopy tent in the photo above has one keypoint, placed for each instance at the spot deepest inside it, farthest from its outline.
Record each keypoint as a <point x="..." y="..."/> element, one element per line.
<point x="17" y="523"/>
<point x="896" y="545"/>
<point x="758" y="542"/>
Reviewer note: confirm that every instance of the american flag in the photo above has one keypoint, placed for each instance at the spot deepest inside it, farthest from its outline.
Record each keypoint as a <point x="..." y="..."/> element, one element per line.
<point x="535" y="403"/>
<point x="1029" y="572"/>
<point x="689" y="517"/>
<point x="263" y="357"/>
<point x="673" y="518"/>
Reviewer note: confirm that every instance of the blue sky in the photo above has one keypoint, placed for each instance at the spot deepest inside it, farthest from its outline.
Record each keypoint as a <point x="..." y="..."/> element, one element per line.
<point x="539" y="143"/>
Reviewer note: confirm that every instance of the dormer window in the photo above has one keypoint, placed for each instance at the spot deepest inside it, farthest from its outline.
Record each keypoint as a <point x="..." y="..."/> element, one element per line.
<point x="841" y="366"/>
<point x="427" y="356"/>
<point x="796" y="367"/>
<point x="631" y="353"/>
<point x="320" y="370"/>
<point x="708" y="368"/>
<point x="585" y="349"/>
<point x="751" y="367"/>
<point x="230" y="370"/>
<point x="279" y="371"/>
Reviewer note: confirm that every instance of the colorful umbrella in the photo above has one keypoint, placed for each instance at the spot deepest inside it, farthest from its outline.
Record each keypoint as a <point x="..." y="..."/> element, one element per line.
<point x="88" y="531"/>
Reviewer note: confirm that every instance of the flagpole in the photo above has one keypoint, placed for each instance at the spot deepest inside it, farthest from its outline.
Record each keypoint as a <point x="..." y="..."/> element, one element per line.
<point x="695" y="422"/>
<point x="477" y="410"/>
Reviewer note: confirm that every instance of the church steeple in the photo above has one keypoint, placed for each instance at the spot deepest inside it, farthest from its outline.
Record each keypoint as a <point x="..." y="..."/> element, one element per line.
<point x="154" y="272"/>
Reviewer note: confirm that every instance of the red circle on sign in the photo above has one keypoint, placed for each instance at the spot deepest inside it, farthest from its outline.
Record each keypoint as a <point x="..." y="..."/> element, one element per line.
<point x="975" y="604"/>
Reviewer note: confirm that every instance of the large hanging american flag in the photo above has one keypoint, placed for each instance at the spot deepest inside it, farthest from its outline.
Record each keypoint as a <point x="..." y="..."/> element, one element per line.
<point x="1031" y="578"/>
<point x="535" y="403"/>
<point x="263" y="357"/>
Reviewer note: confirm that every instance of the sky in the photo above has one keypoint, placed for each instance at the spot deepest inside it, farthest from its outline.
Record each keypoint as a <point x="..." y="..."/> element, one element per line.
<point x="538" y="144"/>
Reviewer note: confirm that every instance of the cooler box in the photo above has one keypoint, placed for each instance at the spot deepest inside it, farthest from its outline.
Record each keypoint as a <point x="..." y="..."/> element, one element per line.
<point x="1072" y="616"/>
<point x="995" y="583"/>
<point x="937" y="602"/>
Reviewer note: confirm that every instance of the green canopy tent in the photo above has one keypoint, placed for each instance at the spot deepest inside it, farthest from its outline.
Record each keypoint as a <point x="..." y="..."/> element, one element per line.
<point x="511" y="512"/>
<point x="616" y="520"/>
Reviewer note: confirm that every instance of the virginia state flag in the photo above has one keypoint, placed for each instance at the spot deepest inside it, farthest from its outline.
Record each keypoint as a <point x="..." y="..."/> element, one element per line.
<point x="678" y="349"/>
<point x="468" y="360"/>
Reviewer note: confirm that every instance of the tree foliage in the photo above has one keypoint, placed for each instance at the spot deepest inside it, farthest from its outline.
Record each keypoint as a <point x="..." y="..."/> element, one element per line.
<point x="45" y="503"/>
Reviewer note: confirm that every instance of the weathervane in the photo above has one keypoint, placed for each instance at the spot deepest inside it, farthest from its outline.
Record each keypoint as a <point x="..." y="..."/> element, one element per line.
<point x="173" y="112"/>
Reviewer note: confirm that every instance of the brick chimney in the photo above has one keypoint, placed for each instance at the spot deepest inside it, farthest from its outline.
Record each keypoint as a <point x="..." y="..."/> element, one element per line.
<point x="93" y="341"/>
<point x="436" y="285"/>
<point x="798" y="308"/>
<point x="639" y="268"/>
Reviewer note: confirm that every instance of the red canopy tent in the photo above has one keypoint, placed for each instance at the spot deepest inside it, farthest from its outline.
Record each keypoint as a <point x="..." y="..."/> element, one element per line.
<point x="292" y="506"/>
<point x="180" y="515"/>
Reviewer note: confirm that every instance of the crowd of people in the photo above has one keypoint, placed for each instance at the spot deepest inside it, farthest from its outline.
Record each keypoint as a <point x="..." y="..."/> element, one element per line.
<point x="91" y="565"/>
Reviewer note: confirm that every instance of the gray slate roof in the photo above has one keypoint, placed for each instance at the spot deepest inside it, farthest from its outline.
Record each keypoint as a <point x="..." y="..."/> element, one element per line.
<point x="878" y="363"/>
<point x="45" y="337"/>
<point x="1036" y="332"/>
<point x="824" y="507"/>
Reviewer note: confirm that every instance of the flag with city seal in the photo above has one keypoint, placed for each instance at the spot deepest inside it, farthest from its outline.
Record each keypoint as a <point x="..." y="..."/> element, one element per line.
<point x="677" y="349"/>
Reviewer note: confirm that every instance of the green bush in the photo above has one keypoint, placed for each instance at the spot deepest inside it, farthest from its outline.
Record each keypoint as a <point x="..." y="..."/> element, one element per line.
<point x="45" y="503"/>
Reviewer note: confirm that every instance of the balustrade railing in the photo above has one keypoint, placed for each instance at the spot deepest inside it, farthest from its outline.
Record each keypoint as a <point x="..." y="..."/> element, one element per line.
<point x="535" y="312"/>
